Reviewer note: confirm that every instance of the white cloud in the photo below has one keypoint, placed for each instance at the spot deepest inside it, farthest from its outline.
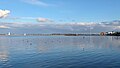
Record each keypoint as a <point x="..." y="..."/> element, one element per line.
<point x="44" y="20"/>
<point x="4" y="13"/>
<point x="83" y="23"/>
<point x="35" y="2"/>
<point x="80" y="27"/>
<point x="3" y="26"/>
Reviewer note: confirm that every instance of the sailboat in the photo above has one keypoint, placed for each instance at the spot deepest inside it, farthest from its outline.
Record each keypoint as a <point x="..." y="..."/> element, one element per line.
<point x="24" y="34"/>
<point x="9" y="33"/>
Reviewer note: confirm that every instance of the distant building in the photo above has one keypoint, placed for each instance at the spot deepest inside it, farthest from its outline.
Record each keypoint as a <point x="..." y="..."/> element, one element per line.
<point x="113" y="33"/>
<point x="102" y="33"/>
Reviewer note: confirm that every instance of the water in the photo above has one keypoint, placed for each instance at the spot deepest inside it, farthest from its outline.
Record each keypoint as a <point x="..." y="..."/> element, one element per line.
<point x="60" y="52"/>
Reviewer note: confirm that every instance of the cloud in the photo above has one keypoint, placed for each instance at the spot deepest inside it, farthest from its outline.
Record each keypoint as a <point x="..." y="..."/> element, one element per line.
<point x="44" y="20"/>
<point x="80" y="27"/>
<point x="4" y="13"/>
<point x="3" y="26"/>
<point x="35" y="2"/>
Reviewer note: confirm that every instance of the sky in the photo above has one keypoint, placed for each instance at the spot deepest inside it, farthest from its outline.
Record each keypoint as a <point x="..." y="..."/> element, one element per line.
<point x="59" y="16"/>
<point x="64" y="10"/>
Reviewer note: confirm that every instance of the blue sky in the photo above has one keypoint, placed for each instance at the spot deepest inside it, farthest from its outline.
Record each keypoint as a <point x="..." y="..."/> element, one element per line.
<point x="59" y="16"/>
<point x="65" y="10"/>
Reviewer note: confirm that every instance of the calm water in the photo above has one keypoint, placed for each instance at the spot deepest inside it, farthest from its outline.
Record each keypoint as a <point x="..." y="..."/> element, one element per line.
<point x="60" y="52"/>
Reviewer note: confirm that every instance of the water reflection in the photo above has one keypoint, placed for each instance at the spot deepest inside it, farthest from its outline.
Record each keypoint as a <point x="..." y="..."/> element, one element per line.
<point x="4" y="57"/>
<point x="116" y="37"/>
<point x="3" y="53"/>
<point x="42" y="49"/>
<point x="56" y="51"/>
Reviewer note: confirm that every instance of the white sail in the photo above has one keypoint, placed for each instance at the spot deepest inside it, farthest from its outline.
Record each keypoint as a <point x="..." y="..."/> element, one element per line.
<point x="24" y="34"/>
<point x="9" y="33"/>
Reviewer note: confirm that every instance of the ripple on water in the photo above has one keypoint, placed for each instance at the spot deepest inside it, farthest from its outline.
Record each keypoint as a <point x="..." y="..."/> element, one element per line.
<point x="59" y="52"/>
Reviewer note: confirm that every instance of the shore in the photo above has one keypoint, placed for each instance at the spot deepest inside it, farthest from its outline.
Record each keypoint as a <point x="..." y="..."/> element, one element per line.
<point x="50" y="35"/>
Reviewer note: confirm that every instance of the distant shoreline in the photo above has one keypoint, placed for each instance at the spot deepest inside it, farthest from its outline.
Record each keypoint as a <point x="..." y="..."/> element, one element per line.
<point x="52" y="35"/>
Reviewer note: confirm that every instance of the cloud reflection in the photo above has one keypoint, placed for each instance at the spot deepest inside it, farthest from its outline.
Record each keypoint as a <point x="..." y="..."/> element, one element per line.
<point x="3" y="54"/>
